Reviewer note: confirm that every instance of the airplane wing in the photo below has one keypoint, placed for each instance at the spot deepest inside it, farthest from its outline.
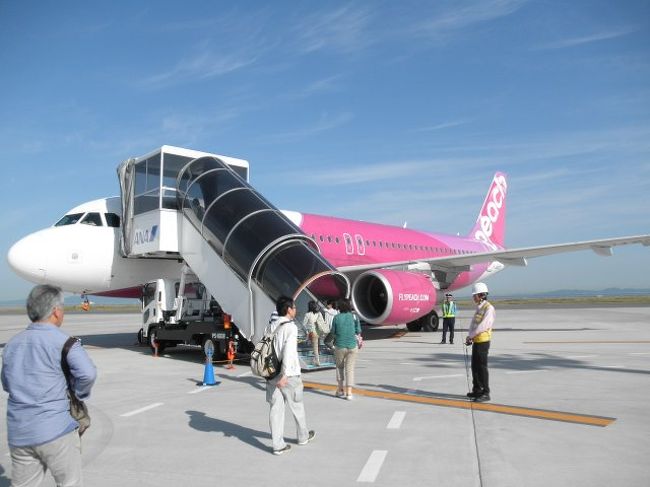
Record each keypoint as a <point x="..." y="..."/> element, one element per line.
<point x="457" y="263"/>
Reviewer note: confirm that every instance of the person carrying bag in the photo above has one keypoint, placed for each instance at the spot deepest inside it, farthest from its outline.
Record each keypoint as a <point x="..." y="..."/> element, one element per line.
<point x="78" y="408"/>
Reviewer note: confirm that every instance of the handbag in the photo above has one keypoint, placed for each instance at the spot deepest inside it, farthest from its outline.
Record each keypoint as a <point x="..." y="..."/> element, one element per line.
<point x="78" y="409"/>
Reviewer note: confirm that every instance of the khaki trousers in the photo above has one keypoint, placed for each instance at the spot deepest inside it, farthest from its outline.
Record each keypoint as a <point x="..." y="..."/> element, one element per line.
<point x="61" y="456"/>
<point x="346" y="359"/>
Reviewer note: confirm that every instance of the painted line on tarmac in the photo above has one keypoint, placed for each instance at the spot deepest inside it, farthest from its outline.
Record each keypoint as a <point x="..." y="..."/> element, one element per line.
<point x="418" y="379"/>
<point x="200" y="389"/>
<point x="580" y="356"/>
<point x="543" y="414"/>
<point x="373" y="465"/>
<point x="141" y="410"/>
<point x="596" y="341"/>
<point x="396" y="421"/>
<point x="639" y="353"/>
<point x="525" y="371"/>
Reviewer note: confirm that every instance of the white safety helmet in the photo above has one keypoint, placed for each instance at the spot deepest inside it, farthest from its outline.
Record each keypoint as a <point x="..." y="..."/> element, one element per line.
<point x="479" y="288"/>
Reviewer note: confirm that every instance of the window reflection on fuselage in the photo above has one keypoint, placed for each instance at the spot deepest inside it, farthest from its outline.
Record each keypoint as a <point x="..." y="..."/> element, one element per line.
<point x="69" y="219"/>
<point x="92" y="219"/>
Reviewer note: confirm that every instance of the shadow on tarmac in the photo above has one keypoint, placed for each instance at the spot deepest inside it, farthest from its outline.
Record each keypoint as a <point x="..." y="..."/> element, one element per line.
<point x="200" y="422"/>
<point x="531" y="362"/>
<point x="415" y="392"/>
<point x="4" y="480"/>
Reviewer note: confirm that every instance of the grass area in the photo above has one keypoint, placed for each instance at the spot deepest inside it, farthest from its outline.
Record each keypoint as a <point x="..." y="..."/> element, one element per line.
<point x="99" y="308"/>
<point x="570" y="302"/>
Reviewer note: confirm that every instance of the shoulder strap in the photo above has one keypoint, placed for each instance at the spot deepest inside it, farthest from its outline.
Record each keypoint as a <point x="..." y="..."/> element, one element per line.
<point x="280" y="326"/>
<point x="64" y="358"/>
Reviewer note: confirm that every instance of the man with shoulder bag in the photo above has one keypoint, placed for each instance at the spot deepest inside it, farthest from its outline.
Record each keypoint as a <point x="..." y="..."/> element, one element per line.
<point x="286" y="388"/>
<point x="41" y="432"/>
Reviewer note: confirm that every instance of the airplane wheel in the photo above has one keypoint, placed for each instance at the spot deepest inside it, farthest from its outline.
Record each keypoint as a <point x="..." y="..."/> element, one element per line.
<point x="414" y="325"/>
<point x="430" y="322"/>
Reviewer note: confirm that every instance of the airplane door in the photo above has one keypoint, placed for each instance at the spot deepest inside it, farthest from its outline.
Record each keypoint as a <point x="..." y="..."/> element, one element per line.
<point x="361" y="246"/>
<point x="349" y="246"/>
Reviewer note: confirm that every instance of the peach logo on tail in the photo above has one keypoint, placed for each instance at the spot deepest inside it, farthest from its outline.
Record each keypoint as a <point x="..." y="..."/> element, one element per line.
<point x="491" y="212"/>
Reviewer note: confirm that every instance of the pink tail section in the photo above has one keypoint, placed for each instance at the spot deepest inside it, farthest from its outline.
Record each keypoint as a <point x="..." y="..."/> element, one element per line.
<point x="490" y="227"/>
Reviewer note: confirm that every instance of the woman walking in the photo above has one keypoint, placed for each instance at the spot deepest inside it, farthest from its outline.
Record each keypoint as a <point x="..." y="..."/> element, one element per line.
<point x="345" y="332"/>
<point x="314" y="325"/>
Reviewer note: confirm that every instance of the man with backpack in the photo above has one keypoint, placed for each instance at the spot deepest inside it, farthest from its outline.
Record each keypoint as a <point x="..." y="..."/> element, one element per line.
<point x="286" y="387"/>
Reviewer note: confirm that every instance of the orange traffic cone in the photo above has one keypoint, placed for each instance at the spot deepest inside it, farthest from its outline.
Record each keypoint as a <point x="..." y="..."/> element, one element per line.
<point x="230" y="355"/>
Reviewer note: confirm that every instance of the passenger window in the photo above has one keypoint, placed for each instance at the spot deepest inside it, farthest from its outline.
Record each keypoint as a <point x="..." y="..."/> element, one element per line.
<point x="112" y="220"/>
<point x="69" y="219"/>
<point x="92" y="219"/>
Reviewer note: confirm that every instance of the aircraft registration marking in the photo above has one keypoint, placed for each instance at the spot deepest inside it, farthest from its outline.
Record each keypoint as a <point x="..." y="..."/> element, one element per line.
<point x="562" y="416"/>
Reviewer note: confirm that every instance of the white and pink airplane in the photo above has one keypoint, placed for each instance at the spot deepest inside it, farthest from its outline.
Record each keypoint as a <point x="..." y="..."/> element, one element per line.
<point x="396" y="273"/>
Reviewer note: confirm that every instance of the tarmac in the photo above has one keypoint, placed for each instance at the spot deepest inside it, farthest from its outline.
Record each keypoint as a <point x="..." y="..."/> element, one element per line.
<point x="570" y="394"/>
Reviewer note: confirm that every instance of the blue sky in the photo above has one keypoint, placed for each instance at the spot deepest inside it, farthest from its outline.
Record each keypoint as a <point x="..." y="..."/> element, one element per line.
<point x="380" y="110"/>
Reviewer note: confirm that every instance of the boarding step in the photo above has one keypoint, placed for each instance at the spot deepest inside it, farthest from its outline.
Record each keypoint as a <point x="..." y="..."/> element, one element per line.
<point x="306" y="356"/>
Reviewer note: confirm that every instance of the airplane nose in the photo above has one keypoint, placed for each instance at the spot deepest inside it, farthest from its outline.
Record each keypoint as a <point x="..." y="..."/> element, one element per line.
<point x="27" y="259"/>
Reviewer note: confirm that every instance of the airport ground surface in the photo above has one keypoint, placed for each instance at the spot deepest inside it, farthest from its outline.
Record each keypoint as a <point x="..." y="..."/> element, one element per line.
<point x="570" y="395"/>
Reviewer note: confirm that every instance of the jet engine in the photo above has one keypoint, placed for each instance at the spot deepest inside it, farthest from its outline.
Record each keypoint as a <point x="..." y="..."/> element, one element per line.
<point x="387" y="297"/>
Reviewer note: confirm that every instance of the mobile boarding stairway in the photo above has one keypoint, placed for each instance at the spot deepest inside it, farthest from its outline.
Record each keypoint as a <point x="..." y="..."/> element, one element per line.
<point x="200" y="209"/>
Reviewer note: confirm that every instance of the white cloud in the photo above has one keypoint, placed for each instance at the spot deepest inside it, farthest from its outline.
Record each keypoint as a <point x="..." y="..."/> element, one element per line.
<point x="324" y="124"/>
<point x="577" y="41"/>
<point x="443" y="125"/>
<point x="343" y="29"/>
<point x="323" y="85"/>
<point x="463" y="16"/>
<point x="206" y="63"/>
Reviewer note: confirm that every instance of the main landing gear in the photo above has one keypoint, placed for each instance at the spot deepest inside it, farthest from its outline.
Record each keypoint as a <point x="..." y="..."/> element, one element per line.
<point x="427" y="323"/>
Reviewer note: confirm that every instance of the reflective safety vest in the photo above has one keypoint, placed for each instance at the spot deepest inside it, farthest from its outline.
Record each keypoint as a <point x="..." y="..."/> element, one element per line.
<point x="485" y="336"/>
<point x="448" y="309"/>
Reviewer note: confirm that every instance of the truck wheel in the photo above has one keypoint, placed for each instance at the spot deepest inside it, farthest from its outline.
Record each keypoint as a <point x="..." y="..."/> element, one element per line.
<point x="140" y="337"/>
<point x="153" y="337"/>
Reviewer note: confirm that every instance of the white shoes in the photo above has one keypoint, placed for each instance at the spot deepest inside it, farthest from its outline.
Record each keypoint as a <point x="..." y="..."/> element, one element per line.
<point x="311" y="436"/>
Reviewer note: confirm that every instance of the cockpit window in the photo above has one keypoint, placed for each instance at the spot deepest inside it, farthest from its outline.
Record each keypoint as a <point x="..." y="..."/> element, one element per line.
<point x="93" y="219"/>
<point x="112" y="220"/>
<point x="70" y="219"/>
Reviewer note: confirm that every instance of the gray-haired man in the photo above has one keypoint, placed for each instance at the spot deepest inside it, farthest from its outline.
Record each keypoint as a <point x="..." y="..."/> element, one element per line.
<point x="42" y="435"/>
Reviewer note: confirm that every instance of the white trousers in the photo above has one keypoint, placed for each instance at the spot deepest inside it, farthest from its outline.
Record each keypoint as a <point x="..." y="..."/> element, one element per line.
<point x="61" y="456"/>
<point x="277" y="397"/>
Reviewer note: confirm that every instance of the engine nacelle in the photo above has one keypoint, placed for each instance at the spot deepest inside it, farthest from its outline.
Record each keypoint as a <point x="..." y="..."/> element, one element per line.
<point x="386" y="297"/>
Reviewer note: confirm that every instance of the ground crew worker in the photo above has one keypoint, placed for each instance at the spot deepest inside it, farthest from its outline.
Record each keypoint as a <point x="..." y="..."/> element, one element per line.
<point x="448" y="318"/>
<point x="479" y="336"/>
